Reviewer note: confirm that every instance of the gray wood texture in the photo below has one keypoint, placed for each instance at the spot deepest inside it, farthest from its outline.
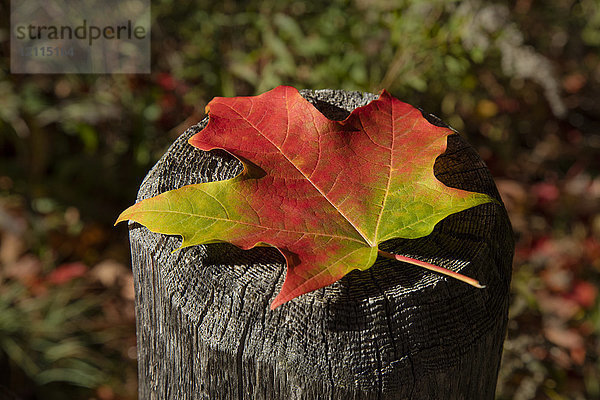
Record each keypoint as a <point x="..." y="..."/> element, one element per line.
<point x="395" y="331"/>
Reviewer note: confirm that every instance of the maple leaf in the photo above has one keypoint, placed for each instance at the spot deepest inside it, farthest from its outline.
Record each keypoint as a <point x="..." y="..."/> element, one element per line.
<point x="325" y="193"/>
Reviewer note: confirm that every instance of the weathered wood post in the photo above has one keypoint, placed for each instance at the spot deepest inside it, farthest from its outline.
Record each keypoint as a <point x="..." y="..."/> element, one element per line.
<point x="395" y="331"/>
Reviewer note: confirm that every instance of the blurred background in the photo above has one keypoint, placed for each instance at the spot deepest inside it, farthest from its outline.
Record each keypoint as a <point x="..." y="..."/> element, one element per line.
<point x="520" y="79"/>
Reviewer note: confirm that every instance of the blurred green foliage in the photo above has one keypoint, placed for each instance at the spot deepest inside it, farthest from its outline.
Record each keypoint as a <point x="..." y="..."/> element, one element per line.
<point x="521" y="79"/>
<point x="40" y="335"/>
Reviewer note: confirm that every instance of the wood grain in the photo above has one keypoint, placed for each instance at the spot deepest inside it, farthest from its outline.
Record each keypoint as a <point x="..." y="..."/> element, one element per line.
<point x="395" y="331"/>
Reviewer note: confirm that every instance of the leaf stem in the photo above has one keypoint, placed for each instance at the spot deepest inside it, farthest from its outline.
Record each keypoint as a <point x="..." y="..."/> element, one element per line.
<point x="432" y="267"/>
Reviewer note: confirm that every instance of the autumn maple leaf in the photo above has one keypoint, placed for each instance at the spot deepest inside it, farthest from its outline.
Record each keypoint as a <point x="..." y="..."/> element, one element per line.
<point x="325" y="193"/>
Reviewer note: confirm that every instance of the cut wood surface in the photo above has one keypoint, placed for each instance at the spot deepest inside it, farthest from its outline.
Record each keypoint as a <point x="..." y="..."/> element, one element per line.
<point x="395" y="331"/>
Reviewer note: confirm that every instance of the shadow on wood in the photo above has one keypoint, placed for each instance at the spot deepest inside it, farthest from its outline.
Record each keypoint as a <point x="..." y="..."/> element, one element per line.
<point x="395" y="331"/>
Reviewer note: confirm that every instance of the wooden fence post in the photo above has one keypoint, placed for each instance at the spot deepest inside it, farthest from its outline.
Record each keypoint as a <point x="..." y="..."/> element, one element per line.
<point x="395" y="331"/>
